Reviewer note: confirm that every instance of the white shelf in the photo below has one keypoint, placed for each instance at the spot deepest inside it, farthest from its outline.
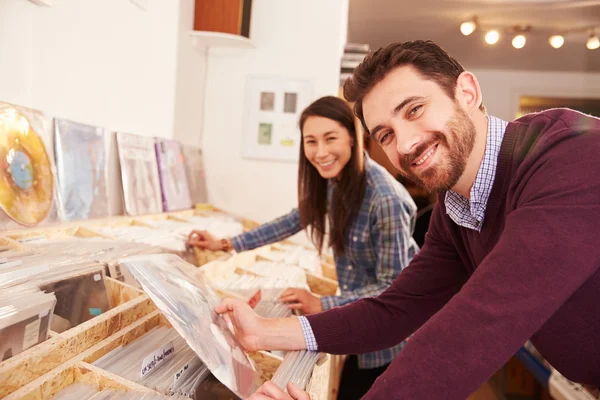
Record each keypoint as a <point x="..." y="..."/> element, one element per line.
<point x="220" y="40"/>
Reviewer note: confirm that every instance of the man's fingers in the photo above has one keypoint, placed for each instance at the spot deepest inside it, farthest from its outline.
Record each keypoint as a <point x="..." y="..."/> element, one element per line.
<point x="273" y="391"/>
<point x="296" y="393"/>
<point x="227" y="305"/>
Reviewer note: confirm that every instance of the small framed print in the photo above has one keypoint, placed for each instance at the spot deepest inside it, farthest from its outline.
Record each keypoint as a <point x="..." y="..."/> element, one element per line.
<point x="290" y="102"/>
<point x="265" y="132"/>
<point x="267" y="101"/>
<point x="273" y="107"/>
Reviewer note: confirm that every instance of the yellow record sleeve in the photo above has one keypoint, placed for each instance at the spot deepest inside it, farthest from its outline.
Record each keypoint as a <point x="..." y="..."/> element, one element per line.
<point x="26" y="180"/>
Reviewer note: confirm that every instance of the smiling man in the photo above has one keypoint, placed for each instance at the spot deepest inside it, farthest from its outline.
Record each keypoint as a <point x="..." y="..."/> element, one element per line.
<point x="512" y="252"/>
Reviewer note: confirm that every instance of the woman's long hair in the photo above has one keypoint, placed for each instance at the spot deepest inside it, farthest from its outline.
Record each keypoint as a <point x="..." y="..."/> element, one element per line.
<point x="312" y="188"/>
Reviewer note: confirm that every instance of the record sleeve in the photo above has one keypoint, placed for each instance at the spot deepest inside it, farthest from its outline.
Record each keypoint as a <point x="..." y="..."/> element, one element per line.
<point x="139" y="174"/>
<point x="81" y="169"/>
<point x="189" y="306"/>
<point x="28" y="193"/>
<point x="196" y="173"/>
<point x="79" y="298"/>
<point x="24" y="320"/>
<point x="173" y="179"/>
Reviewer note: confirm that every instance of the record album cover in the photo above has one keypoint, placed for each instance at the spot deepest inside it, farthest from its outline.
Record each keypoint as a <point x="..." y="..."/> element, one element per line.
<point x="173" y="179"/>
<point x="81" y="169"/>
<point x="139" y="173"/>
<point x="28" y="192"/>
<point x="196" y="174"/>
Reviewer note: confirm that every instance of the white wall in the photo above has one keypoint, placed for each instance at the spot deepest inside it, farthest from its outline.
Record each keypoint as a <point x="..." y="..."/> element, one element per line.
<point x="502" y="88"/>
<point x="107" y="63"/>
<point x="191" y="81"/>
<point x="297" y="39"/>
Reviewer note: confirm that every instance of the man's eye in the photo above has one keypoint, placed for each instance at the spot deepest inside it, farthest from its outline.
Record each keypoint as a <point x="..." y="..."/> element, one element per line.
<point x="383" y="138"/>
<point x="414" y="110"/>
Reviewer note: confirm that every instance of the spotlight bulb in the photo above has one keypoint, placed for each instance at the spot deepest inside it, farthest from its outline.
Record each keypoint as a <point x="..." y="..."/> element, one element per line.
<point x="466" y="28"/>
<point x="492" y="37"/>
<point x="593" y="42"/>
<point x="519" y="41"/>
<point x="556" y="41"/>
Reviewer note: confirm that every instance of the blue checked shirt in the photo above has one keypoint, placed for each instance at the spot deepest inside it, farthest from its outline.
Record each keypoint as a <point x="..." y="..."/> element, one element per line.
<point x="470" y="213"/>
<point x="378" y="246"/>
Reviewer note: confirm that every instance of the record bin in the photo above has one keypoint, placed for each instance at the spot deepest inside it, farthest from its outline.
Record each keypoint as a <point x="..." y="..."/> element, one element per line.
<point x="80" y="368"/>
<point x="130" y="304"/>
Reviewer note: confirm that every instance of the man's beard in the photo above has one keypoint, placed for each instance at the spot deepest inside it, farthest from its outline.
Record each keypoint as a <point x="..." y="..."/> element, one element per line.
<point x="446" y="174"/>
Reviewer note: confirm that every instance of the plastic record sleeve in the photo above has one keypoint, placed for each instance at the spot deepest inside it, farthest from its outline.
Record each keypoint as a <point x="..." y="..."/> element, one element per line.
<point x="189" y="306"/>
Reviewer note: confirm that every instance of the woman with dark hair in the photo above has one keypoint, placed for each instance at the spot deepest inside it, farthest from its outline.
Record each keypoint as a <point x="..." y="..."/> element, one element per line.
<point x="370" y="215"/>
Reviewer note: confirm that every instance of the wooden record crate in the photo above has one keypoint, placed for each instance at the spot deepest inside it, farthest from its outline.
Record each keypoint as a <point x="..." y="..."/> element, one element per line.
<point x="320" y="285"/>
<point x="22" y="236"/>
<point x="80" y="369"/>
<point x="238" y="263"/>
<point x="129" y="305"/>
<point x="141" y="222"/>
<point x="327" y="267"/>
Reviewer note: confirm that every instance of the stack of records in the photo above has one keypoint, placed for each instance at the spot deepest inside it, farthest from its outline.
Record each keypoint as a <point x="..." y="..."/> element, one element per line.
<point x="297" y="367"/>
<point x="220" y="225"/>
<point x="295" y="276"/>
<point x="160" y="360"/>
<point x="246" y="286"/>
<point x="24" y="319"/>
<point x="139" y="172"/>
<point x="196" y="174"/>
<point x="81" y="164"/>
<point x="300" y="256"/>
<point x="173" y="179"/>
<point x="273" y="309"/>
<point x="189" y="306"/>
<point x="28" y="194"/>
<point x="148" y="236"/>
<point x="77" y="284"/>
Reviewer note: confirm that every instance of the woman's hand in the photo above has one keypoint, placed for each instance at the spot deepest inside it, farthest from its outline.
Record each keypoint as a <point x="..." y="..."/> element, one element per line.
<point x="303" y="300"/>
<point x="204" y="240"/>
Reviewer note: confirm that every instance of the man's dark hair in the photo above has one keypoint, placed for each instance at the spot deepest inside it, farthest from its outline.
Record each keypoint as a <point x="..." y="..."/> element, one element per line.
<point x="429" y="59"/>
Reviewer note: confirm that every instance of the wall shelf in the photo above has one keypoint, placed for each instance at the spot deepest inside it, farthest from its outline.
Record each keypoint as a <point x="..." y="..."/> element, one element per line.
<point x="220" y="40"/>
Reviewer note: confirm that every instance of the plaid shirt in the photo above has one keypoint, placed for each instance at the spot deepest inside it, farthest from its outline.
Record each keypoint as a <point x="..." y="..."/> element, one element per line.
<point x="469" y="213"/>
<point x="378" y="246"/>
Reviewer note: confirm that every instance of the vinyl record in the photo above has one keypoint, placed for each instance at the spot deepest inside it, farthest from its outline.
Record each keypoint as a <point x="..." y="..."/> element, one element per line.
<point x="26" y="182"/>
<point x="188" y="304"/>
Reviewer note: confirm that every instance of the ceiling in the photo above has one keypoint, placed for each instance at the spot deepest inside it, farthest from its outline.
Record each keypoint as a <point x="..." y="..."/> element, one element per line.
<point x="380" y="22"/>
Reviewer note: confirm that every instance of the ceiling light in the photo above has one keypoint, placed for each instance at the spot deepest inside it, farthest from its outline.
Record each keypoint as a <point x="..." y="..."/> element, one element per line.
<point x="519" y="41"/>
<point x="593" y="42"/>
<point x="556" y="41"/>
<point x="466" y="28"/>
<point x="492" y="37"/>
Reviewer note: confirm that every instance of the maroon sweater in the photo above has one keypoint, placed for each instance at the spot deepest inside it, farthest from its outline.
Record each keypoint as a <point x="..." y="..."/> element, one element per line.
<point x="473" y="299"/>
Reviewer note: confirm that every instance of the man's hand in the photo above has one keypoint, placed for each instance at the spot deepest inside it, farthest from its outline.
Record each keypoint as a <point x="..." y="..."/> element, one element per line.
<point x="270" y="391"/>
<point x="204" y="240"/>
<point x="257" y="333"/>
<point x="303" y="300"/>
<point x="247" y="324"/>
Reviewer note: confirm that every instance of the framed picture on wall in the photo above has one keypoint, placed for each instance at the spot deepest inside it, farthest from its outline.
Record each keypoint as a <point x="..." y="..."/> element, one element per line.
<point x="273" y="106"/>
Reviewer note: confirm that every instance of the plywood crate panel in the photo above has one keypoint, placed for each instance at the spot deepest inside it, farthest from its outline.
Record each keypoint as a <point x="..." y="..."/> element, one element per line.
<point x="130" y="304"/>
